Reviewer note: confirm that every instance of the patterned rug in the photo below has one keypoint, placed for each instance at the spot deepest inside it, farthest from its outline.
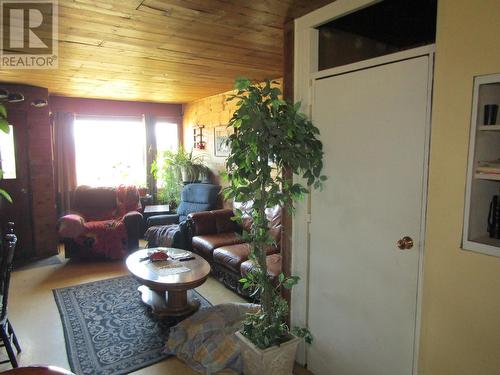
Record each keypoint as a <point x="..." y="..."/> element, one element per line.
<point x="107" y="328"/>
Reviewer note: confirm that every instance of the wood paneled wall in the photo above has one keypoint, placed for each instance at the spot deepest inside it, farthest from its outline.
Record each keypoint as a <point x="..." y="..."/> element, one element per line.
<point x="210" y="112"/>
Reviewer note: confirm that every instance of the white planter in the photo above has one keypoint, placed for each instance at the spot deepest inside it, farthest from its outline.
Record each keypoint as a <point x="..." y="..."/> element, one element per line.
<point x="276" y="360"/>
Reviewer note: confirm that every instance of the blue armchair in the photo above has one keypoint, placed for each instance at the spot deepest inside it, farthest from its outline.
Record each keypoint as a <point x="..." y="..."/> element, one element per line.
<point x="172" y="230"/>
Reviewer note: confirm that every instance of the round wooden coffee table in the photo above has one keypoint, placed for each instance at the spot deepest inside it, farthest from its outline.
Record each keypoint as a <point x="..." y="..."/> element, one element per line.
<point x="166" y="294"/>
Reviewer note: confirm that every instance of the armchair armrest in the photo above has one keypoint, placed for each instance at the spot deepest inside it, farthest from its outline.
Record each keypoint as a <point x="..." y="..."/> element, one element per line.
<point x="70" y="226"/>
<point x="133" y="223"/>
<point x="162" y="220"/>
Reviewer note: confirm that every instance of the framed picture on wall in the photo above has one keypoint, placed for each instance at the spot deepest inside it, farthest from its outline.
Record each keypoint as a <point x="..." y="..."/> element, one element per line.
<point x="221" y="134"/>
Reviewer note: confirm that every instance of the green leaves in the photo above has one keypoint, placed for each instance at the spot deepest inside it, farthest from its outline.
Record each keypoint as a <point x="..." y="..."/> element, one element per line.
<point x="6" y="195"/>
<point x="4" y="124"/>
<point x="271" y="136"/>
<point x="242" y="83"/>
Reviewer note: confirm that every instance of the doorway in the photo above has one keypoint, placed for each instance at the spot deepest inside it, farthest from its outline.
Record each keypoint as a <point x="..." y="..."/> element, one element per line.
<point x="351" y="269"/>
<point x="362" y="288"/>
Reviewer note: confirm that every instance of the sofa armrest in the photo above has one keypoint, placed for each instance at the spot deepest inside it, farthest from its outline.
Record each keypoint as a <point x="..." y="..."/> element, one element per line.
<point x="162" y="220"/>
<point x="71" y="226"/>
<point x="133" y="223"/>
<point x="201" y="223"/>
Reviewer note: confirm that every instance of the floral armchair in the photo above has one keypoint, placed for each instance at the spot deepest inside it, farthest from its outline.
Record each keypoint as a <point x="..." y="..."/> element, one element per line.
<point x="104" y="223"/>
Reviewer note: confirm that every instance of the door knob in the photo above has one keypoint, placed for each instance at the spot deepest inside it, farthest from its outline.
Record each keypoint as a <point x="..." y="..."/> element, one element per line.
<point x="405" y="243"/>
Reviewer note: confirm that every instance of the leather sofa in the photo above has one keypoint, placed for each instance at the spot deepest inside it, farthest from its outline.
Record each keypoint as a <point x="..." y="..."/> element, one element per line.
<point x="219" y="240"/>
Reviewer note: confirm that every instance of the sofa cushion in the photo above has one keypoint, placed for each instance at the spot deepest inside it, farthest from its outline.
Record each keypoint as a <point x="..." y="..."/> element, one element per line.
<point x="232" y="256"/>
<point x="273" y="262"/>
<point x="207" y="243"/>
<point x="223" y="221"/>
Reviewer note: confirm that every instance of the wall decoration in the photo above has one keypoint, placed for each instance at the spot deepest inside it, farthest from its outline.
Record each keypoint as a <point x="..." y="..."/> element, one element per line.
<point x="221" y="134"/>
<point x="198" y="141"/>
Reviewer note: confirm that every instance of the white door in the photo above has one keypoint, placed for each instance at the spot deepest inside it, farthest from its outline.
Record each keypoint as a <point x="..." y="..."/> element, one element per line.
<point x="363" y="289"/>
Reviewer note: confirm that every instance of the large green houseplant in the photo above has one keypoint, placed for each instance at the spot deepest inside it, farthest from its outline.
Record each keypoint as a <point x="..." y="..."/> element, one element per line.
<point x="270" y="137"/>
<point x="174" y="169"/>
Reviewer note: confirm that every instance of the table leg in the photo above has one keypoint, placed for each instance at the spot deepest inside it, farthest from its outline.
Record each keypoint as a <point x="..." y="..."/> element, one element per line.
<point x="173" y="303"/>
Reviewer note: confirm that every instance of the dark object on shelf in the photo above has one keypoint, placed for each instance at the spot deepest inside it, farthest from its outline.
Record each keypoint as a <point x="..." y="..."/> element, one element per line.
<point x="6" y="330"/>
<point x="494" y="218"/>
<point x="39" y="103"/>
<point x="194" y="198"/>
<point x="490" y="114"/>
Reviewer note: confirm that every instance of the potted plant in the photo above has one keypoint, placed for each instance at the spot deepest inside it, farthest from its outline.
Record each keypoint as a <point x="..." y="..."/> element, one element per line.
<point x="270" y="137"/>
<point x="183" y="163"/>
<point x="165" y="171"/>
<point x="174" y="169"/>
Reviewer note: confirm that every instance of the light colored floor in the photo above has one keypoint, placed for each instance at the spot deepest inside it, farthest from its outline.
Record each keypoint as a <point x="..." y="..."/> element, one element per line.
<point x="34" y="314"/>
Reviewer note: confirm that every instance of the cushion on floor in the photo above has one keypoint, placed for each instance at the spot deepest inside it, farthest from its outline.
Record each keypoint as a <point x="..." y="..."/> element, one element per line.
<point x="206" y="342"/>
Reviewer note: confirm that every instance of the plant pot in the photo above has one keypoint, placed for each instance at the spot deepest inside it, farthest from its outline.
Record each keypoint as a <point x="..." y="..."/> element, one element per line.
<point x="189" y="174"/>
<point x="203" y="174"/>
<point x="276" y="360"/>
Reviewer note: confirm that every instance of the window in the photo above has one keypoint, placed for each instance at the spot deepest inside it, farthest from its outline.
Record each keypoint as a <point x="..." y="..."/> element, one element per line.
<point x="386" y="27"/>
<point x="8" y="154"/>
<point x="166" y="136"/>
<point x="166" y="140"/>
<point x="110" y="151"/>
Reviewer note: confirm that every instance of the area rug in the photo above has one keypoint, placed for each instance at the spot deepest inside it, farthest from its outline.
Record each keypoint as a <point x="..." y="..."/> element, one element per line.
<point x="107" y="328"/>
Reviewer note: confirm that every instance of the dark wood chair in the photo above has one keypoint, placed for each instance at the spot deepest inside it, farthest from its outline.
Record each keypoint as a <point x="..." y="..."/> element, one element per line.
<point x="38" y="370"/>
<point x="6" y="330"/>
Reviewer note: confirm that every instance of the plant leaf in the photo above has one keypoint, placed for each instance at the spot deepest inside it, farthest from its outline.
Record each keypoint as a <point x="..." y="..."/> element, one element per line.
<point x="6" y="195"/>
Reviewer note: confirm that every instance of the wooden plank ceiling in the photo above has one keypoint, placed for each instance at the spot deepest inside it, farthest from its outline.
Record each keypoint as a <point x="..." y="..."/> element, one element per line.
<point x="164" y="50"/>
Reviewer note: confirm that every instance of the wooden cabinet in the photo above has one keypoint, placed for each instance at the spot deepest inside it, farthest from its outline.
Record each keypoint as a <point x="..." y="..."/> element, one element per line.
<point x="483" y="175"/>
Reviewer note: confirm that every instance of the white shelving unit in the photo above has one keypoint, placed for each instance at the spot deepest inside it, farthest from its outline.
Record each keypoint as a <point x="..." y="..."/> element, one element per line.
<point x="481" y="187"/>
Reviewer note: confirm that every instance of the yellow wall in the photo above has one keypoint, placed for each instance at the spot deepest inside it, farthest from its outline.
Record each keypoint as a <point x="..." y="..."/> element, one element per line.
<point x="461" y="297"/>
<point x="211" y="112"/>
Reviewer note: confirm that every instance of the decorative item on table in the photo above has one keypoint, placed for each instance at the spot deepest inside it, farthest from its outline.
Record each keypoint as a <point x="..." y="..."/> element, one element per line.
<point x="494" y="218"/>
<point x="489" y="167"/>
<point x="490" y="114"/>
<point x="156" y="256"/>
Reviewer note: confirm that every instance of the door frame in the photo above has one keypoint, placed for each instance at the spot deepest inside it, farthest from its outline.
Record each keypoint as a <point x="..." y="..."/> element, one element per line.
<point x="305" y="73"/>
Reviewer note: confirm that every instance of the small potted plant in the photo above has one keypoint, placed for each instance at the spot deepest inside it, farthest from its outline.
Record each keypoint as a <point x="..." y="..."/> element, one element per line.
<point x="270" y="137"/>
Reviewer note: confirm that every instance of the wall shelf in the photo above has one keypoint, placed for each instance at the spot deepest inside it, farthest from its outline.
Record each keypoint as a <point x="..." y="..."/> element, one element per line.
<point x="489" y="128"/>
<point x="487" y="176"/>
<point x="484" y="147"/>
